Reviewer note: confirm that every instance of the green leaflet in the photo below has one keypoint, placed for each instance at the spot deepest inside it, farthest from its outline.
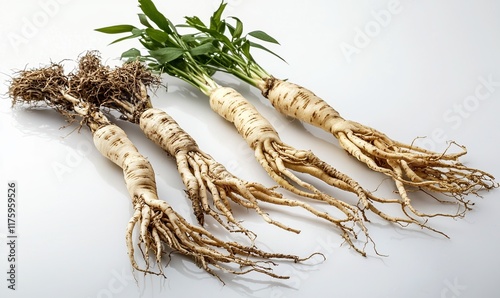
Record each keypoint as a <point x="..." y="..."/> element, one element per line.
<point x="116" y="29"/>
<point x="166" y="55"/>
<point x="236" y="31"/>
<point x="204" y="49"/>
<point x="144" y="20"/>
<point x="236" y="45"/>
<point x="150" y="10"/>
<point x="216" y="19"/>
<point x="157" y="35"/>
<point x="259" y="46"/>
<point x="131" y="54"/>
<point x="195" y="22"/>
<point x="135" y="33"/>
<point x="263" y="36"/>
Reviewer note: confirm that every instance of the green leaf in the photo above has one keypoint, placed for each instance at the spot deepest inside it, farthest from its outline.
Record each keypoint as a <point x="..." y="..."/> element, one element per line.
<point x="215" y="19"/>
<point x="256" y="45"/>
<point x="150" y="10"/>
<point x="166" y="55"/>
<point x="245" y="48"/>
<point x="135" y="33"/>
<point x="195" y="22"/>
<point x="132" y="53"/>
<point x="157" y="35"/>
<point x="144" y="20"/>
<point x="236" y="31"/>
<point x="172" y="27"/>
<point x="198" y="25"/>
<point x="263" y="36"/>
<point x="188" y="38"/>
<point x="203" y="49"/>
<point x="150" y="45"/>
<point x="239" y="41"/>
<point x="116" y="29"/>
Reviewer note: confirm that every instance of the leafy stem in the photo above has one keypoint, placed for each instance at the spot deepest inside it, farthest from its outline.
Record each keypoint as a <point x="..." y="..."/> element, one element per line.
<point x="195" y="57"/>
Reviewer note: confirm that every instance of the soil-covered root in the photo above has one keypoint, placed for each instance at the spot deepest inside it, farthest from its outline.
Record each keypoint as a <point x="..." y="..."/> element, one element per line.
<point x="49" y="86"/>
<point x="41" y="86"/>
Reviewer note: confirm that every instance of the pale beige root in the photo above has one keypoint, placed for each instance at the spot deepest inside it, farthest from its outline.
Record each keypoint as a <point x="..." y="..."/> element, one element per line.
<point x="280" y="161"/>
<point x="202" y="175"/>
<point x="159" y="224"/>
<point x="409" y="166"/>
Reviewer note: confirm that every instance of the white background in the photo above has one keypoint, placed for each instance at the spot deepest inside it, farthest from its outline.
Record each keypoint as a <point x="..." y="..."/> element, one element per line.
<point x="420" y="63"/>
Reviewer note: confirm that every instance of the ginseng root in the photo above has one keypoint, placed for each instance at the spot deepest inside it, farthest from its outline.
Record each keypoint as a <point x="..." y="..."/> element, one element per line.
<point x="407" y="165"/>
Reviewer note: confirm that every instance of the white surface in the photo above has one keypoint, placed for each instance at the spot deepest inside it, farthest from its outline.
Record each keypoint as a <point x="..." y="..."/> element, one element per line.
<point x="421" y="63"/>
